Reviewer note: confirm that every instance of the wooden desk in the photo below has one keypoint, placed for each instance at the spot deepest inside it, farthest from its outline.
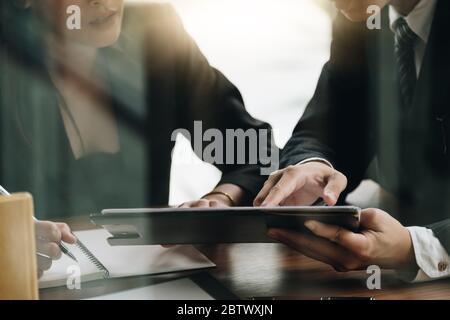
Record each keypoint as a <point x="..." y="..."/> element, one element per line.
<point x="267" y="270"/>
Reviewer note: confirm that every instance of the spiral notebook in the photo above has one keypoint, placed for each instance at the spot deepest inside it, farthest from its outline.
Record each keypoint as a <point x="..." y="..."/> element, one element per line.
<point x="98" y="260"/>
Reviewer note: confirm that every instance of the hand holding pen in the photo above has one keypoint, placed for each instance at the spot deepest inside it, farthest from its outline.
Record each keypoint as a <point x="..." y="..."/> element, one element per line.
<point x="49" y="237"/>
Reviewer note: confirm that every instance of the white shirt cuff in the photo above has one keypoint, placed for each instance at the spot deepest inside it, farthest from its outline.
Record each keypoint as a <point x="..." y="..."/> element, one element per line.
<point x="431" y="257"/>
<point x="328" y="163"/>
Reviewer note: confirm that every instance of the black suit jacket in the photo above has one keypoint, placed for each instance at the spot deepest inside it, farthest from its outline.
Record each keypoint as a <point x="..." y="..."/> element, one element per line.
<point x="159" y="81"/>
<point x="355" y="117"/>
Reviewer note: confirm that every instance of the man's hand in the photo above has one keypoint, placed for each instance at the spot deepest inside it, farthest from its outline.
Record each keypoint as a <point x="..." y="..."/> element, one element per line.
<point x="356" y="10"/>
<point x="302" y="184"/>
<point x="48" y="237"/>
<point x="219" y="199"/>
<point x="207" y="202"/>
<point x="383" y="241"/>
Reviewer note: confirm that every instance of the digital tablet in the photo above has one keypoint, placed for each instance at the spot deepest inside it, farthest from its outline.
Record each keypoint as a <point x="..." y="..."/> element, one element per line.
<point x="215" y="225"/>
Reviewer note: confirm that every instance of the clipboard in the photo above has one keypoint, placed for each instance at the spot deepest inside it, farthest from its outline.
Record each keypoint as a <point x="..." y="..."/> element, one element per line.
<point x="214" y="225"/>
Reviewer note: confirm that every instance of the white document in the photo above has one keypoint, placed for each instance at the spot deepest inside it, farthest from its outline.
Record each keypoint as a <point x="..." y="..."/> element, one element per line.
<point x="99" y="260"/>
<point x="182" y="289"/>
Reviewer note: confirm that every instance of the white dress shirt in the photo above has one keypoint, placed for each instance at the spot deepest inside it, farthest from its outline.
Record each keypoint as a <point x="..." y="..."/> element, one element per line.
<point x="431" y="257"/>
<point x="420" y="21"/>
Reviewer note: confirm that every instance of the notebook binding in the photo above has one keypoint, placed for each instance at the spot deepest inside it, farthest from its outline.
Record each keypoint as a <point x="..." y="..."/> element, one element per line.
<point x="92" y="258"/>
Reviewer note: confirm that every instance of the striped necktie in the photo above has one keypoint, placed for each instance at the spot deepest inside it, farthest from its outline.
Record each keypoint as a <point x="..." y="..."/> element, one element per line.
<point x="405" y="40"/>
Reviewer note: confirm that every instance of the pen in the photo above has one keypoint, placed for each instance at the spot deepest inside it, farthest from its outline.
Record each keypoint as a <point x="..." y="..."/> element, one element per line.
<point x="61" y="245"/>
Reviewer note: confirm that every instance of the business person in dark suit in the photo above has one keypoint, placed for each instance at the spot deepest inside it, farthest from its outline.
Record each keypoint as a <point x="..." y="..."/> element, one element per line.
<point x="87" y="113"/>
<point x="93" y="110"/>
<point x="384" y="95"/>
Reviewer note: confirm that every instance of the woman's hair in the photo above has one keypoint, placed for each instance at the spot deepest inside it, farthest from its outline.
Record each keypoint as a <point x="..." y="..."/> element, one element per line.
<point x="20" y="35"/>
<point x="20" y="45"/>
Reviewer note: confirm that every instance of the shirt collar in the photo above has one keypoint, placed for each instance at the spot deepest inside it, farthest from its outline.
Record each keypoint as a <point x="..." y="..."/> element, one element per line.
<point x="419" y="20"/>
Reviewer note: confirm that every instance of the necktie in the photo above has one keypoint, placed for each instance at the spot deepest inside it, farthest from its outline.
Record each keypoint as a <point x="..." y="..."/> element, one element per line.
<point x="405" y="39"/>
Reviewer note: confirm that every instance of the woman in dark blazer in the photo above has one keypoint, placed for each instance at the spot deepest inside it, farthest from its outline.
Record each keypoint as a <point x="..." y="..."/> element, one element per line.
<point x="87" y="111"/>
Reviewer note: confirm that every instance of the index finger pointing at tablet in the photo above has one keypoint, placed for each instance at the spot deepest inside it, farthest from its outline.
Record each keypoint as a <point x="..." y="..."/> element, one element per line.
<point x="268" y="185"/>
<point x="283" y="189"/>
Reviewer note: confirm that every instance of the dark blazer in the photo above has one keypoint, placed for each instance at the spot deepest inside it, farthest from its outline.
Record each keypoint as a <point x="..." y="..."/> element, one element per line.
<point x="185" y="88"/>
<point x="159" y="80"/>
<point x="355" y="118"/>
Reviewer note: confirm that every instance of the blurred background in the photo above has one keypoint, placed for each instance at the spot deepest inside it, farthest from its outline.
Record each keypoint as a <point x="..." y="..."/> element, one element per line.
<point x="272" y="50"/>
